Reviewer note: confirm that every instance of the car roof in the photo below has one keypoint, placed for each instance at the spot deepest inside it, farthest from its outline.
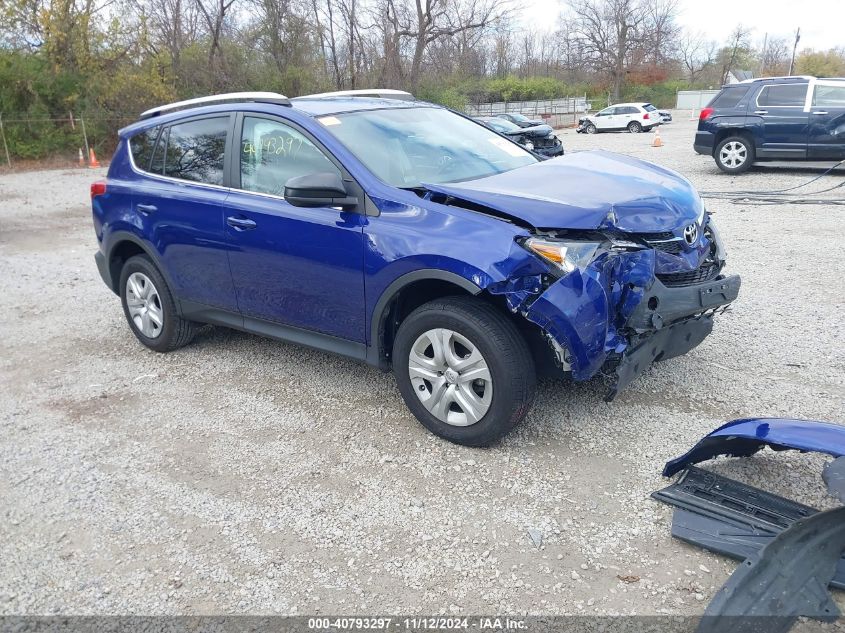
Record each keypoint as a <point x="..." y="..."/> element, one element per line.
<point x="309" y="107"/>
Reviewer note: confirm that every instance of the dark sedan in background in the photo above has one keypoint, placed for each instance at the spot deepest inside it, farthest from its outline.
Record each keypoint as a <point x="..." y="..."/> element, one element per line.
<point x="540" y="138"/>
<point x="520" y="119"/>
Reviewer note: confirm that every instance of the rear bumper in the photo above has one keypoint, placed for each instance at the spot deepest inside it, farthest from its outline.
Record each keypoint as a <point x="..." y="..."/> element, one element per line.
<point x="703" y="143"/>
<point x="105" y="273"/>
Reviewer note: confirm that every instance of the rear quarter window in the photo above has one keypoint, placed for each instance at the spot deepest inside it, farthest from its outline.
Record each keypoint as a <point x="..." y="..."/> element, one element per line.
<point x="729" y="97"/>
<point x="141" y="145"/>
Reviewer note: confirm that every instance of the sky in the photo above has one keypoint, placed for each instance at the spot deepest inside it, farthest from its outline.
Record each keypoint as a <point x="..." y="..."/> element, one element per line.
<point x="821" y="24"/>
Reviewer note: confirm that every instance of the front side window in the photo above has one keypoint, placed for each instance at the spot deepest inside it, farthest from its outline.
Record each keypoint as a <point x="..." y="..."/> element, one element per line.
<point x="194" y="150"/>
<point x="606" y="112"/>
<point x="141" y="145"/>
<point x="272" y="153"/>
<point x="406" y="147"/>
<point x="782" y="95"/>
<point x="829" y="96"/>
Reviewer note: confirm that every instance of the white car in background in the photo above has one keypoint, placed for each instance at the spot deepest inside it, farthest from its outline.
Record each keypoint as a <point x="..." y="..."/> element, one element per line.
<point x="634" y="117"/>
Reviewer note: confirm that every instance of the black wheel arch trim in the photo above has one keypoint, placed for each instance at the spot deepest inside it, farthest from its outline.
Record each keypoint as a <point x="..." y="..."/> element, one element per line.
<point x="119" y="237"/>
<point x="375" y="352"/>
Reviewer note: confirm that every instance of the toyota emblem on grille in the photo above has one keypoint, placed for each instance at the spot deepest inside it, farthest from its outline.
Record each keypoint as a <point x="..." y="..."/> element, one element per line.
<point x="691" y="234"/>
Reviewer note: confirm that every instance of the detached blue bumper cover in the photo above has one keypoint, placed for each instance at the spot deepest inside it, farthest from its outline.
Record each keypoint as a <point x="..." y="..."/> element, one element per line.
<point x="742" y="438"/>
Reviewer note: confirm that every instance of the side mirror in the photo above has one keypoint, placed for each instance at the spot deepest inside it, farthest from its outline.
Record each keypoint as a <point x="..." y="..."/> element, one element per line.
<point x="321" y="189"/>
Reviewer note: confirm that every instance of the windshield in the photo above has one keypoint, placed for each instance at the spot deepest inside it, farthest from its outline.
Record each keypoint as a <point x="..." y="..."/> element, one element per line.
<point x="519" y="117"/>
<point x="502" y="125"/>
<point x="406" y="147"/>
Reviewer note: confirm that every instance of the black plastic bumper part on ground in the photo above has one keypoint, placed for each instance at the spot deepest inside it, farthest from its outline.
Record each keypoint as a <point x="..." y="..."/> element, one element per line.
<point x="731" y="518"/>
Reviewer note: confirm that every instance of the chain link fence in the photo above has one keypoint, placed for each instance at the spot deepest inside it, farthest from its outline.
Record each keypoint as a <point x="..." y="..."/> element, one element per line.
<point x="555" y="112"/>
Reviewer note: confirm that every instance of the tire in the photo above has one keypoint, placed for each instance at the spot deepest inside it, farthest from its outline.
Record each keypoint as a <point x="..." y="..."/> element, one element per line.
<point x="734" y="155"/>
<point x="148" y="300"/>
<point x="635" y="127"/>
<point x="591" y="128"/>
<point x="467" y="325"/>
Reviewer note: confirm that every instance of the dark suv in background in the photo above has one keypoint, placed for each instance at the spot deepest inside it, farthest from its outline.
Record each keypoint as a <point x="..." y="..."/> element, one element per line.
<point x="777" y="118"/>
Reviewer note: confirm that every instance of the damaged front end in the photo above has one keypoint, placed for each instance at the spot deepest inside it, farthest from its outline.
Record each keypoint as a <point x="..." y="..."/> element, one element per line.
<point x="613" y="302"/>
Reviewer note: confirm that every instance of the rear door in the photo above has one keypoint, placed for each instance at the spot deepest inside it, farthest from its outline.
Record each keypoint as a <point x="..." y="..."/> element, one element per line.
<point x="783" y="121"/>
<point x="827" y="121"/>
<point x="180" y="206"/>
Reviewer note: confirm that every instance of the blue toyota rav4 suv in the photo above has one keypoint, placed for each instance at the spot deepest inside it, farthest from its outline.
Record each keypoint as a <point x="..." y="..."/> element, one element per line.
<point x="777" y="118"/>
<point x="410" y="237"/>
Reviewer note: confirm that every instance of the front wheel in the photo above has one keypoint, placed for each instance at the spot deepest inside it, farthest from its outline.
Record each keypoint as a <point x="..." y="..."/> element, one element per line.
<point x="734" y="155"/>
<point x="591" y="128"/>
<point x="464" y="370"/>
<point x="635" y="127"/>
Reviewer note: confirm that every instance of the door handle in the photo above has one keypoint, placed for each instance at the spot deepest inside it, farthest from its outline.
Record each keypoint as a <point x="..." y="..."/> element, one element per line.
<point x="819" y="112"/>
<point x="146" y="209"/>
<point x="761" y="111"/>
<point x="240" y="224"/>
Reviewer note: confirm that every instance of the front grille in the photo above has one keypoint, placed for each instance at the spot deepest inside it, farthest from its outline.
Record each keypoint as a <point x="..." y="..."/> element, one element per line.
<point x="705" y="272"/>
<point x="666" y="242"/>
<point x="543" y="142"/>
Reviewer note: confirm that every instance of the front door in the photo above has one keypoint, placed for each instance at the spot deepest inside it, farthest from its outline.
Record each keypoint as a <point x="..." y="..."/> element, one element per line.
<point x="301" y="267"/>
<point x="605" y="120"/>
<point x="784" y="129"/>
<point x="180" y="202"/>
<point x="827" y="121"/>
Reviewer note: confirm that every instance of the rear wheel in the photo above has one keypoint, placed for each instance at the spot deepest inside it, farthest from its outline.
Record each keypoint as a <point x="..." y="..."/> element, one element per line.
<point x="635" y="127"/>
<point x="734" y="155"/>
<point x="149" y="307"/>
<point x="464" y="370"/>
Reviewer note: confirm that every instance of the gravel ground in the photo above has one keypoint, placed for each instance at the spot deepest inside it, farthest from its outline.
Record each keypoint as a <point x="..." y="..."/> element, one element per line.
<point x="242" y="475"/>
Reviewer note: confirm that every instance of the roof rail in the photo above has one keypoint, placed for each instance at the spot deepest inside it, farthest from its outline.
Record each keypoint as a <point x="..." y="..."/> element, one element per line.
<point x="264" y="97"/>
<point x="749" y="81"/>
<point x="378" y="93"/>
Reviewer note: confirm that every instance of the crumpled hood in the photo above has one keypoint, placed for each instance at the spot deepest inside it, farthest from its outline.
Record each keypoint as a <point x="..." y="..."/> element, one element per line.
<point x="587" y="190"/>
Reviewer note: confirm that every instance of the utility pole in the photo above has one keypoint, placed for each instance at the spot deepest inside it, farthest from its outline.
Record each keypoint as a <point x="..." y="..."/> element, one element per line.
<point x="794" y="48"/>
<point x="763" y="55"/>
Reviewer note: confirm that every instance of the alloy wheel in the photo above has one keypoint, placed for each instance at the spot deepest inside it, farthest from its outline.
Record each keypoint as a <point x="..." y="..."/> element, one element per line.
<point x="450" y="377"/>
<point x="733" y="154"/>
<point x="144" y="305"/>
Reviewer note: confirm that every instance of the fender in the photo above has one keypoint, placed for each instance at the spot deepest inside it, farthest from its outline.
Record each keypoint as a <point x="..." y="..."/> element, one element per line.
<point x="115" y="238"/>
<point x="375" y="356"/>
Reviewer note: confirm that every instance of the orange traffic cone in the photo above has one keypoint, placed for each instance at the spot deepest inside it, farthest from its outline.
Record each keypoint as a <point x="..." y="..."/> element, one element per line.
<point x="658" y="142"/>
<point x="93" y="163"/>
<point x="81" y="158"/>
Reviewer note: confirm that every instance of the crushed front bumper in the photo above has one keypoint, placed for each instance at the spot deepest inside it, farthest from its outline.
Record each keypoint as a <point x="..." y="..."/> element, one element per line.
<point x="616" y="317"/>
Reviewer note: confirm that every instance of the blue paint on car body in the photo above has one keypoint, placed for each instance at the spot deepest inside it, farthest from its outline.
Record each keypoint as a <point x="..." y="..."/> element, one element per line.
<point x="335" y="272"/>
<point x="741" y="438"/>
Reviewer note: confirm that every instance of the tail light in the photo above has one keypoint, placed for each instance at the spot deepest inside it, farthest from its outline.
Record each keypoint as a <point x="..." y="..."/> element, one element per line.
<point x="705" y="114"/>
<point x="98" y="188"/>
<point x="645" y="116"/>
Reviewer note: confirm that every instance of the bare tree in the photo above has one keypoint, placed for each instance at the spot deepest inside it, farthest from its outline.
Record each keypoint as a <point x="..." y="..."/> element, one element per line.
<point x="214" y="14"/>
<point x="696" y="54"/>
<point x="738" y="45"/>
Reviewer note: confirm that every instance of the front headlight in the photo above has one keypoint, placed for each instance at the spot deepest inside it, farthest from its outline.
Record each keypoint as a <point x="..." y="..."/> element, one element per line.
<point x="567" y="256"/>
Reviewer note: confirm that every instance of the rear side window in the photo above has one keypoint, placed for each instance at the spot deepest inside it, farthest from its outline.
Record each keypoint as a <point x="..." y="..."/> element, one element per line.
<point x="649" y="108"/>
<point x="729" y="97"/>
<point x="782" y="95"/>
<point x="829" y="96"/>
<point x="194" y="150"/>
<point x="141" y="145"/>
